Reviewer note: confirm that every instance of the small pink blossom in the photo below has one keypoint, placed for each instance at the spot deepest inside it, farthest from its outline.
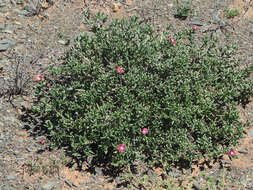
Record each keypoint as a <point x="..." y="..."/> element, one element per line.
<point x="195" y="28"/>
<point x="37" y="78"/>
<point x="119" y="70"/>
<point x="172" y="40"/>
<point x="122" y="147"/>
<point x="144" y="131"/>
<point x="232" y="153"/>
<point x="42" y="141"/>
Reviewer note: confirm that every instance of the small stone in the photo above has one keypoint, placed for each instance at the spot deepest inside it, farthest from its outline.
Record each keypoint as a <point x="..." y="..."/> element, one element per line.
<point x="46" y="15"/>
<point x="6" y="44"/>
<point x="250" y="184"/>
<point x="216" y="17"/>
<point x="185" y="1"/>
<point x="51" y="2"/>
<point x="7" y="31"/>
<point x="30" y="8"/>
<point x="196" y="21"/>
<point x="29" y="149"/>
<point x="48" y="186"/>
<point x="128" y="2"/>
<point x="173" y="174"/>
<point x="58" y="187"/>
<point x="2" y="26"/>
<point x="20" y="2"/>
<point x="2" y="3"/>
<point x="118" y="180"/>
<point x="226" y="162"/>
<point x="196" y="186"/>
<point x="98" y="171"/>
<point x="23" y="12"/>
<point x="62" y="42"/>
<point x="243" y="151"/>
<point x="251" y="131"/>
<point x="20" y="133"/>
<point x="11" y="177"/>
<point x="152" y="174"/>
<point x="116" y="6"/>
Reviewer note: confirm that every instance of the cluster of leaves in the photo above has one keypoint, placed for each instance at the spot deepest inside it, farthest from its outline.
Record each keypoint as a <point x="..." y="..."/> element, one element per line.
<point x="231" y="13"/>
<point x="127" y="93"/>
<point x="184" y="10"/>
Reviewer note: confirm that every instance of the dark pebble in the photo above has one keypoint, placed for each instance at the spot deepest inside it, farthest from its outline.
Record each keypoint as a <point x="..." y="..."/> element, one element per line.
<point x="27" y="186"/>
<point x="69" y="183"/>
<point x="243" y="151"/>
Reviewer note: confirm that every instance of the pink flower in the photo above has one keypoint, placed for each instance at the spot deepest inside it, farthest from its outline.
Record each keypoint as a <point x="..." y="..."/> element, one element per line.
<point x="172" y="40"/>
<point x="144" y="131"/>
<point x="122" y="147"/>
<point x="42" y="141"/>
<point x="119" y="70"/>
<point x="232" y="153"/>
<point x="37" y="78"/>
<point x="195" y="28"/>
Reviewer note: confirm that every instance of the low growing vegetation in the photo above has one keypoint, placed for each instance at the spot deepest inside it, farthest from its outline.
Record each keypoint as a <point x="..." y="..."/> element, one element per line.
<point x="127" y="93"/>
<point x="231" y="13"/>
<point x="183" y="11"/>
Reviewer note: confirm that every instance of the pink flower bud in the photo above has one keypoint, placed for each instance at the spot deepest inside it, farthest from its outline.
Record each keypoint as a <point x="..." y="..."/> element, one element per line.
<point x="37" y="78"/>
<point x="144" y="131"/>
<point x="122" y="147"/>
<point x="195" y="28"/>
<point x="232" y="153"/>
<point x="119" y="70"/>
<point x="172" y="40"/>
<point x="42" y="141"/>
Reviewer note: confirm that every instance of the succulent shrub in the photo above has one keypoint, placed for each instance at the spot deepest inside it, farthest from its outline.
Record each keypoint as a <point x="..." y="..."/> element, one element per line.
<point x="128" y="93"/>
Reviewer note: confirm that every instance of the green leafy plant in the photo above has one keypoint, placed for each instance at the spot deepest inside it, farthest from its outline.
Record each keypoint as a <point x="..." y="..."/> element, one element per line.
<point x="32" y="167"/>
<point x="231" y="13"/>
<point x="183" y="11"/>
<point x="126" y="93"/>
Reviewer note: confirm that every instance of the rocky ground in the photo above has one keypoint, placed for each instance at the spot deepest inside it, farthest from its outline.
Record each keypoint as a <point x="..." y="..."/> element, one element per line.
<point x="34" y="35"/>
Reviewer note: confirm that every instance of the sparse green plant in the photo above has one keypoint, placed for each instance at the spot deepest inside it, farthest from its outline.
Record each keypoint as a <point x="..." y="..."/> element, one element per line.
<point x="45" y="168"/>
<point x="32" y="167"/>
<point x="184" y="10"/>
<point x="126" y="78"/>
<point x="60" y="35"/>
<point x="231" y="13"/>
<point x="63" y="39"/>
